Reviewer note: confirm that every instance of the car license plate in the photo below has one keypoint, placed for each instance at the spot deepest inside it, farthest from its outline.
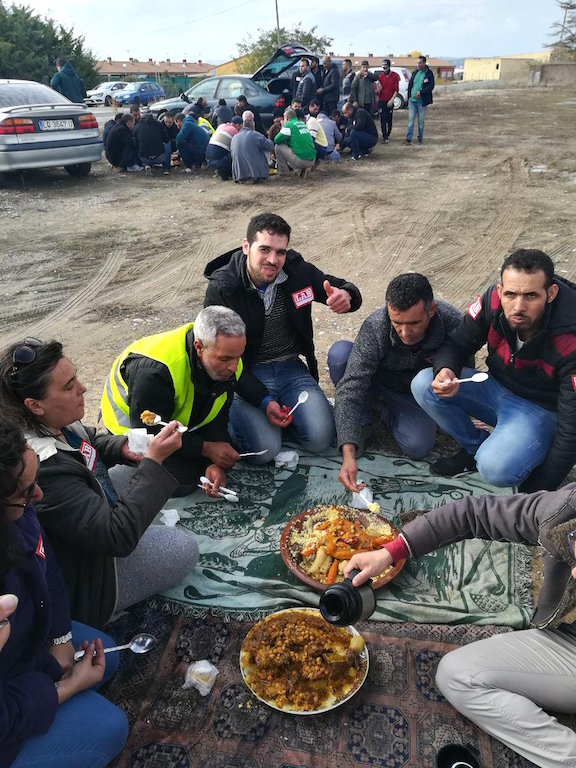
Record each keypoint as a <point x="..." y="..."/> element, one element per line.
<point x="56" y="125"/>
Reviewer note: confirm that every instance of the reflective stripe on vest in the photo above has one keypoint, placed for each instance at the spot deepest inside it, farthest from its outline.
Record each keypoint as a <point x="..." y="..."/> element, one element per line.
<point x="170" y="349"/>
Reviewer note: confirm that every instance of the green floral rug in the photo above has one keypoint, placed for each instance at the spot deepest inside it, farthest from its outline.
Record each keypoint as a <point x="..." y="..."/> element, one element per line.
<point x="240" y="574"/>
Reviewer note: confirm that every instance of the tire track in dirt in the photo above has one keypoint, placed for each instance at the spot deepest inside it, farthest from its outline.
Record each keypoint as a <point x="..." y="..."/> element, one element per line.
<point x="187" y="275"/>
<point x="80" y="299"/>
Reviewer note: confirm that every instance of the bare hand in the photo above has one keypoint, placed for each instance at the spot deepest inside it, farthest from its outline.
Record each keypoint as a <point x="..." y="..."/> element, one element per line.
<point x="128" y="456"/>
<point x="164" y="443"/>
<point x="390" y="103"/>
<point x="277" y="415"/>
<point x="349" y="471"/>
<point x="8" y="604"/>
<point x="220" y="453"/>
<point x="369" y="564"/>
<point x="85" y="673"/>
<point x="216" y="475"/>
<point x="64" y="655"/>
<point x="443" y="384"/>
<point x="339" y="300"/>
<point x="417" y="95"/>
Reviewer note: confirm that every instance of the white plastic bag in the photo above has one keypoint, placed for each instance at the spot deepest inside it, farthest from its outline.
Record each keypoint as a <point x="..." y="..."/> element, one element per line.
<point x="138" y="440"/>
<point x="365" y="500"/>
<point x="288" y="459"/>
<point x="170" y="517"/>
<point x="200" y="675"/>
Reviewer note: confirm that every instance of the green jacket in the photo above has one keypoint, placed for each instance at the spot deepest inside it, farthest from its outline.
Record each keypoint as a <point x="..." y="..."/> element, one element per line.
<point x="69" y="84"/>
<point x="299" y="139"/>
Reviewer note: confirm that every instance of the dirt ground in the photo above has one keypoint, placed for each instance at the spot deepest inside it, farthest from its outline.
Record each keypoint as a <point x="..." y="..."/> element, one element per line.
<point x="98" y="262"/>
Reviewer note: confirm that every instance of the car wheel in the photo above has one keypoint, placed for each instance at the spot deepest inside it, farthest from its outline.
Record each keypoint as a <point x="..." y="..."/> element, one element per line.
<point x="399" y="102"/>
<point x="108" y="101"/>
<point x="79" y="170"/>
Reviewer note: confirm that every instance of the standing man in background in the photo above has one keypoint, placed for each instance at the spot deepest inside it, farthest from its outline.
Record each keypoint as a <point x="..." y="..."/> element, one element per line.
<point x="420" y="90"/>
<point x="389" y="85"/>
<point x="67" y="82"/>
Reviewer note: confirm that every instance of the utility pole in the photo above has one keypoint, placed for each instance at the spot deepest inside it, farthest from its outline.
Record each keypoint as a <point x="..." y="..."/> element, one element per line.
<point x="278" y="24"/>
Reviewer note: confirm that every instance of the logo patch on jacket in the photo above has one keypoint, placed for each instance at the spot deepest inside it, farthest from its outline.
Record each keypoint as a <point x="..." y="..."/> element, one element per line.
<point x="574" y="382"/>
<point x="89" y="453"/>
<point x="40" y="548"/>
<point x="303" y="297"/>
<point x="475" y="308"/>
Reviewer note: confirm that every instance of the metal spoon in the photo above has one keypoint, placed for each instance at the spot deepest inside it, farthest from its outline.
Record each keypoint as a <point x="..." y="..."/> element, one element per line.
<point x="302" y="397"/>
<point x="158" y="420"/>
<point x="477" y="378"/>
<point x="141" y="643"/>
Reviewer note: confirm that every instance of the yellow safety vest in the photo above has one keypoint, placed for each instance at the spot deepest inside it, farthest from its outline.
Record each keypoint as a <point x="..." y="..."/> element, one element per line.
<point x="170" y="349"/>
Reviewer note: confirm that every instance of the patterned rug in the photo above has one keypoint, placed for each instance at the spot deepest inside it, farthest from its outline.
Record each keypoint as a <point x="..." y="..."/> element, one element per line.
<point x="241" y="575"/>
<point x="398" y="719"/>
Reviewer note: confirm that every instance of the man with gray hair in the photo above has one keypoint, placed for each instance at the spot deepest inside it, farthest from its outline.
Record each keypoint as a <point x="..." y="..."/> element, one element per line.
<point x="250" y="152"/>
<point x="295" y="150"/>
<point x="189" y="374"/>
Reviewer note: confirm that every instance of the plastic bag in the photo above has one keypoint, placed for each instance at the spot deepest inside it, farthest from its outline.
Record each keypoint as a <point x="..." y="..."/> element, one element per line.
<point x="200" y="675"/>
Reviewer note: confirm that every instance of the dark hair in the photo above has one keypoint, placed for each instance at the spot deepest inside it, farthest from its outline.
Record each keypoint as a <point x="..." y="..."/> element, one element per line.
<point x="27" y="380"/>
<point x="118" y="117"/>
<point x="242" y="98"/>
<point x="335" y="114"/>
<point x="267" y="222"/>
<point x="386" y="61"/>
<point x="179" y="116"/>
<point x="300" y="114"/>
<point x="422" y="58"/>
<point x="127" y="119"/>
<point x="134" y="108"/>
<point x="12" y="448"/>
<point x="530" y="260"/>
<point x="278" y="112"/>
<point x="60" y="61"/>
<point x="221" y="102"/>
<point x="348" y="61"/>
<point x="306" y="60"/>
<point x="365" y="63"/>
<point x="314" y="103"/>
<point x="404" y="291"/>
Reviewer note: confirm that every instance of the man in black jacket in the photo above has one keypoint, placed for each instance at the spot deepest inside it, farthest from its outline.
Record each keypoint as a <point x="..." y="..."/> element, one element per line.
<point x="420" y="90"/>
<point x="528" y="321"/>
<point x="329" y="91"/>
<point x="120" y="148"/>
<point x="363" y="134"/>
<point x="272" y="289"/>
<point x="152" y="142"/>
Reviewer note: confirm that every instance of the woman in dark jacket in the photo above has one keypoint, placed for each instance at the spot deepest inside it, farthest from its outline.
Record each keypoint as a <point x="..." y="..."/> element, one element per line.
<point x="99" y="523"/>
<point x="39" y="722"/>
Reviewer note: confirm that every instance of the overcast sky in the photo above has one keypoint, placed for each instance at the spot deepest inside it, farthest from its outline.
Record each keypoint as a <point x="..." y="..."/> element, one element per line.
<point x="200" y="30"/>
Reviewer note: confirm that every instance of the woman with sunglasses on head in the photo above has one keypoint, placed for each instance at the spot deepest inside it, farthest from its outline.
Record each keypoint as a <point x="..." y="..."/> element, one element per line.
<point x="48" y="715"/>
<point x="98" y="522"/>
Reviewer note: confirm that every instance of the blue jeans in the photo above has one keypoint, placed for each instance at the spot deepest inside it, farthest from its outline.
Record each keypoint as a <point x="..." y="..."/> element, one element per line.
<point x="409" y="425"/>
<point x="191" y="155"/>
<point x="415" y="108"/>
<point x="313" y="421"/>
<point x="163" y="159"/>
<point x="221" y="160"/>
<point x="361" y="142"/>
<point x="523" y="430"/>
<point x="88" y="730"/>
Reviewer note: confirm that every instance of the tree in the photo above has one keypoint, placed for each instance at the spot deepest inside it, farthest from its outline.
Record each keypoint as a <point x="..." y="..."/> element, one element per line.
<point x="257" y="51"/>
<point x="30" y="45"/>
<point x="564" y="32"/>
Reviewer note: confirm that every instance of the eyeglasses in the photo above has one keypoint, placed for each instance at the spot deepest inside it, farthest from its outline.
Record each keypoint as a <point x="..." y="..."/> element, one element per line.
<point x="572" y="542"/>
<point x="26" y="494"/>
<point x="24" y="354"/>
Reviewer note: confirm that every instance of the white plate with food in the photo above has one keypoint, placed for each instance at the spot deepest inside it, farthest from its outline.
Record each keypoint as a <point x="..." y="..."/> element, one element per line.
<point x="296" y="662"/>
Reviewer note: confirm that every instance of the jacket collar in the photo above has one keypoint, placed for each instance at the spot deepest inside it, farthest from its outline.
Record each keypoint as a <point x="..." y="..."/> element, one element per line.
<point x="46" y="446"/>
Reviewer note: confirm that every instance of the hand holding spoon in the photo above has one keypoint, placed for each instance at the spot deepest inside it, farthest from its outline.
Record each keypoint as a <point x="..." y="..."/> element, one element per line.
<point x="158" y="421"/>
<point x="141" y="643"/>
<point x="302" y="397"/>
<point x="476" y="378"/>
<point x="226" y="493"/>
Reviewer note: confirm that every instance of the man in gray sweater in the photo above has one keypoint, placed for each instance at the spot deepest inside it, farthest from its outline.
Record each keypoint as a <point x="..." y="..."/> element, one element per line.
<point x="393" y="345"/>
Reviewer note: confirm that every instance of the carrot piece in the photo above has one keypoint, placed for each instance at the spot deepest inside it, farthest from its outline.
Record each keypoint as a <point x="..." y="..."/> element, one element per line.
<point x="332" y="573"/>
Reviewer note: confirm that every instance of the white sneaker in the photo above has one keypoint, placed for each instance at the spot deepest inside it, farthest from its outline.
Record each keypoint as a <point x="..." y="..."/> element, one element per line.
<point x="134" y="168"/>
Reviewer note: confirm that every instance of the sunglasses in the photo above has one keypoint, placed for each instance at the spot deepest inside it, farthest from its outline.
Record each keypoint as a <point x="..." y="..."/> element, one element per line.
<point x="24" y="354"/>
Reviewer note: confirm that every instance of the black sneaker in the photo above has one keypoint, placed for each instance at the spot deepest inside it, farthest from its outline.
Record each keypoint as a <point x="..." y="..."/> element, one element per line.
<point x="449" y="466"/>
<point x="457" y="756"/>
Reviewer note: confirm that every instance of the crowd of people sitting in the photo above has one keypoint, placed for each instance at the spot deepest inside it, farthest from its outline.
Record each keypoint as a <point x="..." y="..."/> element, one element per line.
<point x="234" y="143"/>
<point x="77" y="543"/>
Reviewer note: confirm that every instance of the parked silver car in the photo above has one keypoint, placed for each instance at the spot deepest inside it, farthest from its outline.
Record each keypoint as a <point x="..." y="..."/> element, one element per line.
<point x="104" y="93"/>
<point x="40" y="128"/>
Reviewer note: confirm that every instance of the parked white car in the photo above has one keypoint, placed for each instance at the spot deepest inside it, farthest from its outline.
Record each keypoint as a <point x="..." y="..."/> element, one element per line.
<point x="401" y="101"/>
<point x="104" y="93"/>
<point x="40" y="128"/>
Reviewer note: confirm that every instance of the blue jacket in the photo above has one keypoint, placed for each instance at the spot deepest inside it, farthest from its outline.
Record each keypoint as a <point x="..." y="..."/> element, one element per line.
<point x="192" y="133"/>
<point x="69" y="84"/>
<point x="427" y="86"/>
<point x="28" y="697"/>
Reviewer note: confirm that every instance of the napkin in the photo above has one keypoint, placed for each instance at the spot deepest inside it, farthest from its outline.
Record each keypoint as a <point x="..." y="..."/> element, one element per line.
<point x="288" y="459"/>
<point x="138" y="440"/>
<point x="170" y="517"/>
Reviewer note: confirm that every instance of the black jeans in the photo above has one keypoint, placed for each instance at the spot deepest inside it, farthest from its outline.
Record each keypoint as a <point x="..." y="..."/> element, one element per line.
<point x="386" y="114"/>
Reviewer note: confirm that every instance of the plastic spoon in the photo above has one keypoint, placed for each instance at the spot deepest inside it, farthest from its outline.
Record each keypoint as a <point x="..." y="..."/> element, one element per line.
<point x="139" y="644"/>
<point x="158" y="420"/>
<point x="226" y="493"/>
<point x="477" y="378"/>
<point x="253" y="453"/>
<point x="302" y="397"/>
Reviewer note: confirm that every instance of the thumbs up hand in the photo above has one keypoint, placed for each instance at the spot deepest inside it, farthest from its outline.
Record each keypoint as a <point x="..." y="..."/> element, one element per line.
<point x="339" y="300"/>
